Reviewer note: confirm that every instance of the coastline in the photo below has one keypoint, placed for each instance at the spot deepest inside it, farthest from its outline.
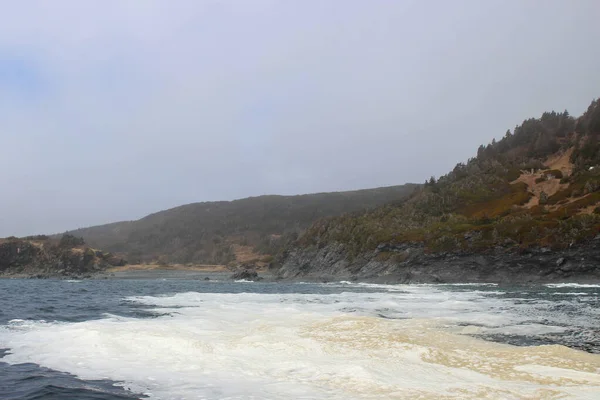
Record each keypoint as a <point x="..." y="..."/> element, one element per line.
<point x="146" y="271"/>
<point x="170" y="267"/>
<point x="579" y="264"/>
<point x="173" y="271"/>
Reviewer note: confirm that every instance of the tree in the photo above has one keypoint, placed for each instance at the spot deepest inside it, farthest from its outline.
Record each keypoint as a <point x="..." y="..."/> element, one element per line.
<point x="68" y="240"/>
<point x="594" y="119"/>
<point x="481" y="152"/>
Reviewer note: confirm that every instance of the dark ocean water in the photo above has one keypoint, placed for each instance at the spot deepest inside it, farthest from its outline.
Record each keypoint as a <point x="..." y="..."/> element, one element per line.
<point x="180" y="339"/>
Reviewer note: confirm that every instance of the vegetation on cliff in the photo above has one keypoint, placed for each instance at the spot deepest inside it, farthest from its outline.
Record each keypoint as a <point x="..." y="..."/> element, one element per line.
<point x="44" y="256"/>
<point x="539" y="186"/>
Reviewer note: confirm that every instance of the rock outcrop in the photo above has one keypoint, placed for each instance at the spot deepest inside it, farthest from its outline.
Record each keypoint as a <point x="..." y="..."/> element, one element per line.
<point x="45" y="258"/>
<point x="409" y="263"/>
<point x="246" y="272"/>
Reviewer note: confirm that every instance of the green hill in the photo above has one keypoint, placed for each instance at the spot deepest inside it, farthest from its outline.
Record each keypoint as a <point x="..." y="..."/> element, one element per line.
<point x="538" y="187"/>
<point x="221" y="232"/>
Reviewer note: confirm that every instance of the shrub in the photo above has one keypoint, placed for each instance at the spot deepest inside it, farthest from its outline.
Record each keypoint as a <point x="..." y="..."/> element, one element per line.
<point x="68" y="240"/>
<point x="513" y="174"/>
<point x="37" y="237"/>
<point x="591" y="186"/>
<point x="560" y="196"/>
<point x="556" y="173"/>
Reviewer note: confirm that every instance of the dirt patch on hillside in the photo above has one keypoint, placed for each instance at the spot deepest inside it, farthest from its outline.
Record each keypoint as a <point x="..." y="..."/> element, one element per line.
<point x="588" y="210"/>
<point x="247" y="255"/>
<point x="561" y="162"/>
<point x="244" y="254"/>
<point x="550" y="187"/>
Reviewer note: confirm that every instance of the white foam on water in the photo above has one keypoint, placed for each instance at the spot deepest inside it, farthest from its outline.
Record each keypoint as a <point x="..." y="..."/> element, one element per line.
<point x="571" y="294"/>
<point x="571" y="285"/>
<point x="312" y="346"/>
<point x="470" y="284"/>
<point x="400" y="285"/>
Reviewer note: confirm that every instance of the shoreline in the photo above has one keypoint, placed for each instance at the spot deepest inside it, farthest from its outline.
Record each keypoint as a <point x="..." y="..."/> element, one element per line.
<point x="171" y="267"/>
<point x="267" y="277"/>
<point x="174" y="271"/>
<point x="331" y="263"/>
<point x="147" y="271"/>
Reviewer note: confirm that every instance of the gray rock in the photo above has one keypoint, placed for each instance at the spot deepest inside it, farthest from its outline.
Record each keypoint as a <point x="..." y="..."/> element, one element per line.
<point x="498" y="265"/>
<point x="246" y="274"/>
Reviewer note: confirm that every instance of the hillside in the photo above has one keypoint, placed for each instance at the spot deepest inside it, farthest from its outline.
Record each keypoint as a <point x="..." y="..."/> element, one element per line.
<point x="42" y="257"/>
<point x="536" y="191"/>
<point x="221" y="232"/>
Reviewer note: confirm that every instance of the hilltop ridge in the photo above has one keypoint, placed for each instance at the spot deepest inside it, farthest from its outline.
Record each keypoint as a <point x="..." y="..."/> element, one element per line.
<point x="253" y="229"/>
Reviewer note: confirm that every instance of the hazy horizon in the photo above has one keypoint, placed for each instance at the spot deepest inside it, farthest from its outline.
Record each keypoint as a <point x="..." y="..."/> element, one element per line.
<point x="113" y="110"/>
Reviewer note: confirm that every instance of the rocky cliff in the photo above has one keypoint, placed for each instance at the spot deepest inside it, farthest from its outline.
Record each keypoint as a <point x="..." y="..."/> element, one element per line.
<point x="44" y="258"/>
<point x="410" y="263"/>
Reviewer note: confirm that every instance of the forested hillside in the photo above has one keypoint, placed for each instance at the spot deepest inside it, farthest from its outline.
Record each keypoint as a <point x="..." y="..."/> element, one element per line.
<point x="222" y="232"/>
<point x="539" y="186"/>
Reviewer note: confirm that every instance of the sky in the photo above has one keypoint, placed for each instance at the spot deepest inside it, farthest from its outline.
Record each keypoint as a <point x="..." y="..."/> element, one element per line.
<point x="113" y="109"/>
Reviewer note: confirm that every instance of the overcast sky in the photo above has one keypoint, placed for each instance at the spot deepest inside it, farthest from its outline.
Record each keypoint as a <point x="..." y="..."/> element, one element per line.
<point x="113" y="109"/>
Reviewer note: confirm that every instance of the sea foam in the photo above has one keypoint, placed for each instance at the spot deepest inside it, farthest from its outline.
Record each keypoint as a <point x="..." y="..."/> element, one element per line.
<point x="311" y="346"/>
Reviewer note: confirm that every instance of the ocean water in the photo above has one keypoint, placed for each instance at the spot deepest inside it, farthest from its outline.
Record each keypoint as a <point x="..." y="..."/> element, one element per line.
<point x="188" y="339"/>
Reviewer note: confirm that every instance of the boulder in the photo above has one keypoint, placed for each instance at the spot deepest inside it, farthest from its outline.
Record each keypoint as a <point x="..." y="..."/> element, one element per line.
<point x="247" y="273"/>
